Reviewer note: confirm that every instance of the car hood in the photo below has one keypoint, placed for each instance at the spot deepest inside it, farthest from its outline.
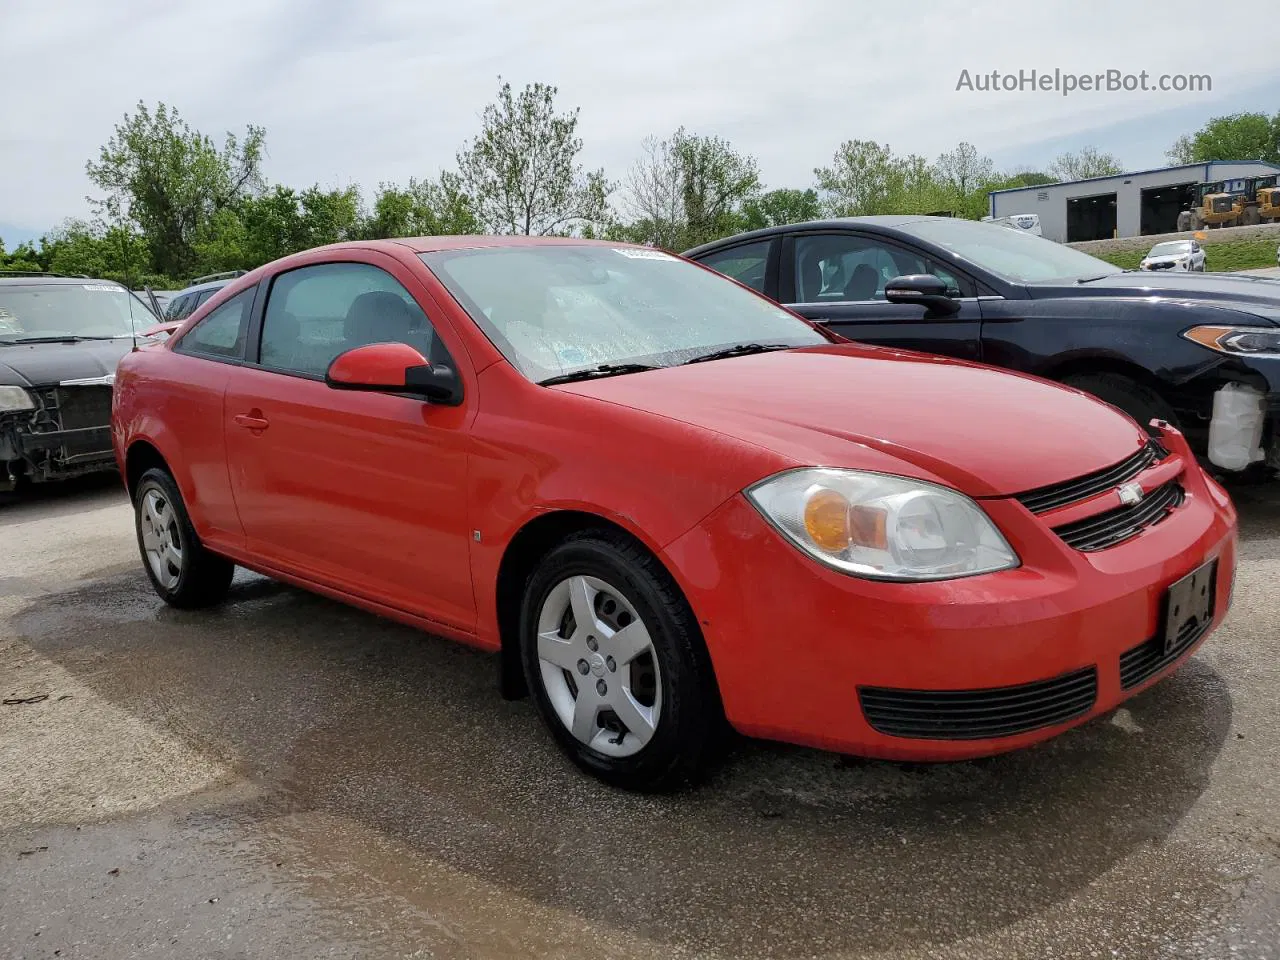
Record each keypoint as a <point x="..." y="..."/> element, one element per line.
<point x="984" y="431"/>
<point x="45" y="364"/>
<point x="1172" y="258"/>
<point x="1250" y="294"/>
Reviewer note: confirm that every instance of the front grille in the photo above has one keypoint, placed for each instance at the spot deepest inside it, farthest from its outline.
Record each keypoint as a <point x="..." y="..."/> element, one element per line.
<point x="1147" y="659"/>
<point x="1223" y="204"/>
<point x="980" y="714"/>
<point x="1167" y="265"/>
<point x="79" y="415"/>
<point x="1044" y="499"/>
<point x="1115" y="526"/>
<point x="81" y="407"/>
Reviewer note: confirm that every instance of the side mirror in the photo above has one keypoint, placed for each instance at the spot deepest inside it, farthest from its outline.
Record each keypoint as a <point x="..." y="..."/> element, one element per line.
<point x="924" y="289"/>
<point x="394" y="368"/>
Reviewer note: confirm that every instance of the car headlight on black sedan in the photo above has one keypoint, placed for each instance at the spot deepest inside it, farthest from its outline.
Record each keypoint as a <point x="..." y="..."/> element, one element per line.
<point x="1237" y="341"/>
<point x="15" y="398"/>
<point x="882" y="527"/>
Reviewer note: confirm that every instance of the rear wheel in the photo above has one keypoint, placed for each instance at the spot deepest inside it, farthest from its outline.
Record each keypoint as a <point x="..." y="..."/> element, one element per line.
<point x="1136" y="399"/>
<point x="617" y="665"/>
<point x="183" y="572"/>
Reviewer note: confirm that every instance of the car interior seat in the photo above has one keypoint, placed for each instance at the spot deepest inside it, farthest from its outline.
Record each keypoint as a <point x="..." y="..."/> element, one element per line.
<point x="862" y="284"/>
<point x="384" y="317"/>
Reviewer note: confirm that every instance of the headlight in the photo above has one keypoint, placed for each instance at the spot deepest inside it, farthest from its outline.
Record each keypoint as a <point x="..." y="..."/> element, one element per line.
<point x="15" y="398"/>
<point x="1181" y="260"/>
<point x="1238" y="341"/>
<point x="880" y="526"/>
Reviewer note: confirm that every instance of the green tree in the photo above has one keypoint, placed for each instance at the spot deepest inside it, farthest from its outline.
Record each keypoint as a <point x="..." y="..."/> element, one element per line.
<point x="170" y="180"/>
<point x="1023" y="178"/>
<point x="1237" y="136"/>
<point x="1089" y="162"/>
<point x="963" y="177"/>
<point x="522" y="170"/>
<point x="23" y="257"/>
<point x="963" y="170"/>
<point x="864" y="178"/>
<point x="425" y="208"/>
<point x="779" y="207"/>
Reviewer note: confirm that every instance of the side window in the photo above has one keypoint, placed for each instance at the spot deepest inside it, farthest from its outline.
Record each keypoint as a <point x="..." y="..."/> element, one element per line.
<point x="835" y="267"/>
<point x="222" y="332"/>
<point x="315" y="313"/>
<point x="178" y="308"/>
<point x="956" y="286"/>
<point x="745" y="263"/>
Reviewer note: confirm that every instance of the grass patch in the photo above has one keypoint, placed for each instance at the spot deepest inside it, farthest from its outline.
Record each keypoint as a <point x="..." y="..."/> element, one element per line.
<point x="1238" y="255"/>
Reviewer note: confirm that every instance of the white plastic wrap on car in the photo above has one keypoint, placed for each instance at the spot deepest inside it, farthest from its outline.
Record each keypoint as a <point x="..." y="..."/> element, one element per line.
<point x="1235" y="432"/>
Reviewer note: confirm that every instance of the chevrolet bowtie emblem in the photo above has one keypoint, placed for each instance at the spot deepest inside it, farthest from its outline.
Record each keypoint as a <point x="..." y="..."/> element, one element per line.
<point x="1130" y="493"/>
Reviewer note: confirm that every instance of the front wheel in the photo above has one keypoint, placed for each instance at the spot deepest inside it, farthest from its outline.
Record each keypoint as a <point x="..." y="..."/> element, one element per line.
<point x="617" y="665"/>
<point x="1136" y="399"/>
<point x="181" y="570"/>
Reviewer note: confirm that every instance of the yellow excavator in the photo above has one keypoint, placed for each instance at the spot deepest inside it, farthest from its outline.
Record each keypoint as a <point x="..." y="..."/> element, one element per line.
<point x="1242" y="202"/>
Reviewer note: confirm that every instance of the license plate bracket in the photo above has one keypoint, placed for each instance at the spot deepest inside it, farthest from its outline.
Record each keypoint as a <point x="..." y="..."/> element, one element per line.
<point x="1188" y="605"/>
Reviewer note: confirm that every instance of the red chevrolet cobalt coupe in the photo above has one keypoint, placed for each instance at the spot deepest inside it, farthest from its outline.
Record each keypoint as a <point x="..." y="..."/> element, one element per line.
<point x="667" y="502"/>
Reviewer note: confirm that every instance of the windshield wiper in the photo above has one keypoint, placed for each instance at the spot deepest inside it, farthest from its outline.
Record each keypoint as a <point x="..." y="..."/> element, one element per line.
<point x="739" y="350"/>
<point x="65" y="338"/>
<point x="1104" y="276"/>
<point x="592" y="373"/>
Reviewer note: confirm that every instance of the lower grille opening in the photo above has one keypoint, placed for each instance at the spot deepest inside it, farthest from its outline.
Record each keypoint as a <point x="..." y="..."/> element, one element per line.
<point x="980" y="714"/>
<point x="1144" y="661"/>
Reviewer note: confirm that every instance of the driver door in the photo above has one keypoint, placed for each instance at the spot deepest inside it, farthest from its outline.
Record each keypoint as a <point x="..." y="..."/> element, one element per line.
<point x="838" y="279"/>
<point x="362" y="492"/>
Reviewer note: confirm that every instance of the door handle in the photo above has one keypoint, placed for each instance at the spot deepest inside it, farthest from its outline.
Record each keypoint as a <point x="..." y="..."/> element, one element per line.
<point x="252" y="421"/>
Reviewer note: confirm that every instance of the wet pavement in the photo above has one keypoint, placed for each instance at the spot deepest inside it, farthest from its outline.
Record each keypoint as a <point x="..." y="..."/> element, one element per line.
<point x="287" y="777"/>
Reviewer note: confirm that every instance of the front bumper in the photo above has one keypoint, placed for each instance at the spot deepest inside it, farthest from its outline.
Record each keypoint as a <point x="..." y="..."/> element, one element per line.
<point x="68" y="434"/>
<point x="796" y="647"/>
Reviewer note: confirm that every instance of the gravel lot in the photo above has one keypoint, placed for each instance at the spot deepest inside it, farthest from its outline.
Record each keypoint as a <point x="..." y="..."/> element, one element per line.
<point x="286" y="777"/>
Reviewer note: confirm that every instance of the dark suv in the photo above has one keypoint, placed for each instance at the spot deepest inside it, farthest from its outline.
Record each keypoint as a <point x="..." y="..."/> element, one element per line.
<point x="60" y="340"/>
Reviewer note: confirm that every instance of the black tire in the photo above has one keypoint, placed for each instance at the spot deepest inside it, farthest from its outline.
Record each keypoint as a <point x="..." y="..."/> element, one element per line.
<point x="690" y="725"/>
<point x="202" y="578"/>
<point x="1129" y="396"/>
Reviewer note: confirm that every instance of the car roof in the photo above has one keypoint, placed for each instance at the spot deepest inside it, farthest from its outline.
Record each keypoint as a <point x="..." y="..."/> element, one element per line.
<point x="57" y="280"/>
<point x="885" y="223"/>
<point x="210" y="285"/>
<point x="431" y="244"/>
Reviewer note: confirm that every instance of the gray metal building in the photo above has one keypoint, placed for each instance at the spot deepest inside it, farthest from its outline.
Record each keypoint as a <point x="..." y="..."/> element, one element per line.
<point x="1126" y="205"/>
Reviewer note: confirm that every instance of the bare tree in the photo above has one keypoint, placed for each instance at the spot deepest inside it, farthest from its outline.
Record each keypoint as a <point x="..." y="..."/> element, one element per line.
<point x="1089" y="162"/>
<point x="654" y="197"/>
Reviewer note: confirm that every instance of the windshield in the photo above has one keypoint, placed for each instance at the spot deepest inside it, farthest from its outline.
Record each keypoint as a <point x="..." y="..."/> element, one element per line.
<point x="52" y="310"/>
<point x="1172" y="249"/>
<point x="553" y="310"/>
<point x="1015" y="255"/>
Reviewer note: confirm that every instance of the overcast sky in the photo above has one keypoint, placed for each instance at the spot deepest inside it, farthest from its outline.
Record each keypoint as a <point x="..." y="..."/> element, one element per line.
<point x="382" y="90"/>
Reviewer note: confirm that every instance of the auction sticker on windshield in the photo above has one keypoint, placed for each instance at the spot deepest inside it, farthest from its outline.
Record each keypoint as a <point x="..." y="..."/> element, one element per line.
<point x="639" y="254"/>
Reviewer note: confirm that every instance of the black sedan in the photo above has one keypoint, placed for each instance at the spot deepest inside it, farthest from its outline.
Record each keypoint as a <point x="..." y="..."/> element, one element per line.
<point x="1201" y="351"/>
<point x="60" y="341"/>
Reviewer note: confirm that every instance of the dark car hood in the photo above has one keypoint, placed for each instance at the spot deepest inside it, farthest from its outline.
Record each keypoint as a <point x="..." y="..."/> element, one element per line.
<point x="45" y="364"/>
<point x="1258" y="295"/>
<point x="984" y="431"/>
